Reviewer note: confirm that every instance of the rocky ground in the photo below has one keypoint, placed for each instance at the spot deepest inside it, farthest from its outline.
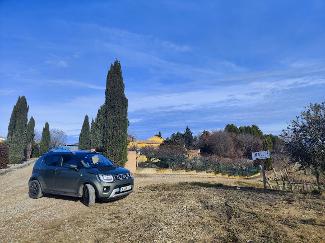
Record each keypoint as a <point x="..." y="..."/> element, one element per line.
<point x="163" y="208"/>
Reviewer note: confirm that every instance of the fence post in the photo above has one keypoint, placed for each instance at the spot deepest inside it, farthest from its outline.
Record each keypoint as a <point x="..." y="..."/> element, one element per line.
<point x="262" y="166"/>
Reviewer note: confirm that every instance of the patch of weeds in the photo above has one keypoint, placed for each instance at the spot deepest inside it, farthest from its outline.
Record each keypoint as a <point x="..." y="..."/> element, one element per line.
<point x="289" y="200"/>
<point x="316" y="192"/>
<point x="203" y="184"/>
<point x="248" y="184"/>
<point x="207" y="205"/>
<point x="289" y="223"/>
<point x="302" y="237"/>
<point x="309" y="221"/>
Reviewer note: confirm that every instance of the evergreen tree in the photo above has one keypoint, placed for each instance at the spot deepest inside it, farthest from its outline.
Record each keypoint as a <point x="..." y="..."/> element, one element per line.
<point x="97" y="128"/>
<point x="92" y="133"/>
<point x="176" y="139"/>
<point x="46" y="139"/>
<point x="232" y="128"/>
<point x="30" y="137"/>
<point x="115" y="123"/>
<point x="84" y="138"/>
<point x="256" y="131"/>
<point x="268" y="142"/>
<point x="252" y="130"/>
<point x="17" y="130"/>
<point x="188" y="138"/>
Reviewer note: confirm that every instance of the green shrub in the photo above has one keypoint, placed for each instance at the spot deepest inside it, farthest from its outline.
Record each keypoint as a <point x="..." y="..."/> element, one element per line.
<point x="4" y="155"/>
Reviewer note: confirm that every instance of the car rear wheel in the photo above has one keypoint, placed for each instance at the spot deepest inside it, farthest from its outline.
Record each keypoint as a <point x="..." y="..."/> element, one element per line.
<point x="35" y="190"/>
<point x="89" y="195"/>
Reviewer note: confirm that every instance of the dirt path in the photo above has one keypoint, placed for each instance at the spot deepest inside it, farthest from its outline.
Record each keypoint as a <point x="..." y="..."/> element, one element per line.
<point x="163" y="208"/>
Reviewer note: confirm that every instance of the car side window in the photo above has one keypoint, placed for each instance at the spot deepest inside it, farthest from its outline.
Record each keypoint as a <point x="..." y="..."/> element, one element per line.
<point x="52" y="160"/>
<point x="69" y="159"/>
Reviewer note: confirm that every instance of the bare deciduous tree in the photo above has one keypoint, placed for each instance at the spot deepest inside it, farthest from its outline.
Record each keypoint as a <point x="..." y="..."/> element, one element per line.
<point x="222" y="144"/>
<point x="248" y="143"/>
<point x="58" y="138"/>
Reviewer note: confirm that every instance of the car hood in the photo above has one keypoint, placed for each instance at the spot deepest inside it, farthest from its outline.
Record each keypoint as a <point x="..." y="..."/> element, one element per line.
<point x="108" y="170"/>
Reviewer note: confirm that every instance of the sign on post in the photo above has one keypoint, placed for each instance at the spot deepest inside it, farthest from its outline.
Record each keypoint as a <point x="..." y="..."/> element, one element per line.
<point x="261" y="155"/>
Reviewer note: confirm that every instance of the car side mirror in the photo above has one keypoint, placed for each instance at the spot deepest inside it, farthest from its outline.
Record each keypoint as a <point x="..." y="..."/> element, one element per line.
<point x="73" y="167"/>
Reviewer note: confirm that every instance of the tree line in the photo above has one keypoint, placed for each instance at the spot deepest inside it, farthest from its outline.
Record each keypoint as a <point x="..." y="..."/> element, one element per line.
<point x="20" y="143"/>
<point x="107" y="133"/>
<point x="301" y="143"/>
<point x="231" y="142"/>
<point x="222" y="151"/>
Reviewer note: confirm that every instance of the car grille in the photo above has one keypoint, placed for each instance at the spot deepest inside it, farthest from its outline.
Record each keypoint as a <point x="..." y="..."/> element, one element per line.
<point x="121" y="177"/>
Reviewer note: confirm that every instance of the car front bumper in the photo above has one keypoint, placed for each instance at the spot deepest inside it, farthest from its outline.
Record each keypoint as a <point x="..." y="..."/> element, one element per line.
<point x="112" y="190"/>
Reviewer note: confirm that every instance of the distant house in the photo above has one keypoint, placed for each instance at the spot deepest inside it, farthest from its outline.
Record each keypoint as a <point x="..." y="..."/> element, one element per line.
<point x="154" y="141"/>
<point x="2" y="139"/>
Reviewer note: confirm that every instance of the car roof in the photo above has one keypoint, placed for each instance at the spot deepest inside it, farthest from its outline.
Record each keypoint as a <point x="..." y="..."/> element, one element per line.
<point x="64" y="151"/>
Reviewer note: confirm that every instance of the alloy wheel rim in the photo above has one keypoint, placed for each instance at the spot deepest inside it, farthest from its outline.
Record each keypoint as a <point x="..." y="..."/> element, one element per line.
<point x="34" y="188"/>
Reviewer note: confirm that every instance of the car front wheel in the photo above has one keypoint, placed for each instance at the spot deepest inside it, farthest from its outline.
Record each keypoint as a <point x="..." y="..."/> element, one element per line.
<point x="35" y="190"/>
<point x="89" y="195"/>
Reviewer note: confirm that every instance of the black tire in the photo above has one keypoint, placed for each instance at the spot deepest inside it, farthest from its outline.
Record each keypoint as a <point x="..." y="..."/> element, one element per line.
<point x="35" y="189"/>
<point x="88" y="195"/>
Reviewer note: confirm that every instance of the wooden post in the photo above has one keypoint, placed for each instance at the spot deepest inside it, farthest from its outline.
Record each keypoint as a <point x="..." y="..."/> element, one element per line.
<point x="276" y="179"/>
<point x="262" y="166"/>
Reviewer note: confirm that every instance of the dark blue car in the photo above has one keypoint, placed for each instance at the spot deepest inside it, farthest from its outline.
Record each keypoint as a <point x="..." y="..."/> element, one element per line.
<point x="88" y="175"/>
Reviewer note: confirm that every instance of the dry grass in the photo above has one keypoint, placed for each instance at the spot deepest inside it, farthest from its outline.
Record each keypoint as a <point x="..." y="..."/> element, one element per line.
<point x="163" y="208"/>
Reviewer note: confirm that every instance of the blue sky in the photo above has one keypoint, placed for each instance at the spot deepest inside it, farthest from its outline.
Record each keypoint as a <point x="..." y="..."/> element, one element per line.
<point x="198" y="63"/>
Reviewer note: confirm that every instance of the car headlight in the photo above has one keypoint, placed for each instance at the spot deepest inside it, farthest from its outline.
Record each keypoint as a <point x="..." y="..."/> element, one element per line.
<point x="106" y="178"/>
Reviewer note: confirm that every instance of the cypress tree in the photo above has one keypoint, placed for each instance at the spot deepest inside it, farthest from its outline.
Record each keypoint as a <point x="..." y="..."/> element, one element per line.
<point x="92" y="133"/>
<point x="188" y="138"/>
<point x="97" y="128"/>
<point x="30" y="137"/>
<point x="46" y="139"/>
<point x="17" y="130"/>
<point x="84" y="138"/>
<point x="115" y="123"/>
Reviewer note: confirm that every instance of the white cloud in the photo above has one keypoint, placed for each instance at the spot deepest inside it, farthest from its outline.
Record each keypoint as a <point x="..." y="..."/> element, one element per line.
<point x="75" y="83"/>
<point x="273" y="128"/>
<point x="135" y="120"/>
<point x="173" y="46"/>
<point x="233" y="95"/>
<point x="66" y="115"/>
<point x="5" y="92"/>
<point x="57" y="63"/>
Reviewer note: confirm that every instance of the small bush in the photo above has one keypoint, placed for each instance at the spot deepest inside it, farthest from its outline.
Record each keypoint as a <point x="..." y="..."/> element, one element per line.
<point x="316" y="192"/>
<point x="4" y="155"/>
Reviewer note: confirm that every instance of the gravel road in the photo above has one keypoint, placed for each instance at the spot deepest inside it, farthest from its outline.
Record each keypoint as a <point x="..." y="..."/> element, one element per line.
<point x="163" y="208"/>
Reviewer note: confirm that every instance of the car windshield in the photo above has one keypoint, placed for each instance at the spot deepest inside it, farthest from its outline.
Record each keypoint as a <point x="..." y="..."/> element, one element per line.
<point x="96" y="160"/>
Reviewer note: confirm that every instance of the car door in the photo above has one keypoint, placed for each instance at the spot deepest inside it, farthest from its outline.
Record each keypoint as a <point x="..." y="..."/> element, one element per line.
<point x="67" y="178"/>
<point x="48" y="171"/>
